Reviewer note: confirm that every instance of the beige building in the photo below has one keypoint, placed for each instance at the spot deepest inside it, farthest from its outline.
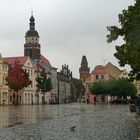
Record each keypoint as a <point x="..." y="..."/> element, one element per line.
<point x="27" y="95"/>
<point x="4" y="96"/>
<point x="124" y="74"/>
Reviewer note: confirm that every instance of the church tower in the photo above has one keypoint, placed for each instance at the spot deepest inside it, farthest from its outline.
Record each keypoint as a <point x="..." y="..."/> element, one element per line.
<point x="32" y="46"/>
<point x="84" y="69"/>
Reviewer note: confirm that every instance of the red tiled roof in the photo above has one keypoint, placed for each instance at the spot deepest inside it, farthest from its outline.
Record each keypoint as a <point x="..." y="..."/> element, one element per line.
<point x="20" y="59"/>
<point x="38" y="67"/>
<point x="44" y="60"/>
<point x="99" y="69"/>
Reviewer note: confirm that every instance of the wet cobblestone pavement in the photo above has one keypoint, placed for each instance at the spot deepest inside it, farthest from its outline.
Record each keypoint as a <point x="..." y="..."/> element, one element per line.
<point x="76" y="122"/>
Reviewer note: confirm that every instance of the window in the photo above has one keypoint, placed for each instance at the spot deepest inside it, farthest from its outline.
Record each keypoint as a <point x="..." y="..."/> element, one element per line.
<point x="10" y="98"/>
<point x="97" y="77"/>
<point x="28" y="71"/>
<point x="3" y="80"/>
<point x="28" y="97"/>
<point x="31" y="84"/>
<point x="124" y="73"/>
<point x="102" y="76"/>
<point x="25" y="97"/>
<point x="31" y="72"/>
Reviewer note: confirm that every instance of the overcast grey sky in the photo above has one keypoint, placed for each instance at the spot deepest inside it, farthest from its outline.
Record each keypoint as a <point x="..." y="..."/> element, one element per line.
<point x="68" y="29"/>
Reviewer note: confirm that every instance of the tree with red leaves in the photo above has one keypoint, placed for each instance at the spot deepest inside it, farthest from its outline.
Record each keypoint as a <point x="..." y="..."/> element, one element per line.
<point x="17" y="79"/>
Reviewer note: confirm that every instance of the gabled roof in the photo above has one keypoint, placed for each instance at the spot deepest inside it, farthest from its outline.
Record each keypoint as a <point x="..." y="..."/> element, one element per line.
<point x="20" y="59"/>
<point x="112" y="70"/>
<point x="110" y="64"/>
<point x="44" y="60"/>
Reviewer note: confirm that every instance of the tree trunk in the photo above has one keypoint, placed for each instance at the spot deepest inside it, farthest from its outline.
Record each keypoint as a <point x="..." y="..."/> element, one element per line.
<point x="43" y="98"/>
<point x="16" y="99"/>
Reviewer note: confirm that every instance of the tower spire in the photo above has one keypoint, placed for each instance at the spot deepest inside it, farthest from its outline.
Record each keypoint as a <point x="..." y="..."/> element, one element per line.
<point x="84" y="69"/>
<point x="32" y="46"/>
<point x="32" y="23"/>
<point x="32" y="13"/>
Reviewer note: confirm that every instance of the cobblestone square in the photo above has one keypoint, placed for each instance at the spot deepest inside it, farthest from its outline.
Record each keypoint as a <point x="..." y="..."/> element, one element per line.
<point x="55" y="122"/>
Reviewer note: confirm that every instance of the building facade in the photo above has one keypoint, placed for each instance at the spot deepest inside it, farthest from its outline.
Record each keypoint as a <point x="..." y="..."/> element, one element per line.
<point x="32" y="48"/>
<point x="32" y="62"/>
<point x="27" y="95"/>
<point x="100" y="72"/>
<point x="54" y="91"/>
<point x="64" y="84"/>
<point x="4" y="96"/>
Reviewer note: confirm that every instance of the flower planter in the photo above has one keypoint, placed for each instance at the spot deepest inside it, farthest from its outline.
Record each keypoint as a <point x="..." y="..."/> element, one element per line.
<point x="132" y="108"/>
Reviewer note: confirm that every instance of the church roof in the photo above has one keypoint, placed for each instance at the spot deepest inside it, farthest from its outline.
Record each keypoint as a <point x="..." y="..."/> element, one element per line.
<point x="38" y="67"/>
<point x="32" y="32"/>
<point x="20" y="59"/>
<point x="45" y="61"/>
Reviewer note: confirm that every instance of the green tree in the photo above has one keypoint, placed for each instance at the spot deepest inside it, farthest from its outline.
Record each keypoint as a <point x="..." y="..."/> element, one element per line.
<point x="98" y="88"/>
<point x="125" y="88"/>
<point x="43" y="84"/>
<point x="129" y="52"/>
<point x="17" y="79"/>
<point x="115" y="87"/>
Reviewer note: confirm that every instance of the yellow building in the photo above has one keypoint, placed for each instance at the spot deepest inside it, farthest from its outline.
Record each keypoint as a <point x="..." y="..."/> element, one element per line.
<point x="3" y="87"/>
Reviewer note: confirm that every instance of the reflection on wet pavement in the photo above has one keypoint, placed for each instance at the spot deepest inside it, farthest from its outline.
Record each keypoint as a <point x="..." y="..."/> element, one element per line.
<point x="15" y="115"/>
<point x="69" y="121"/>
